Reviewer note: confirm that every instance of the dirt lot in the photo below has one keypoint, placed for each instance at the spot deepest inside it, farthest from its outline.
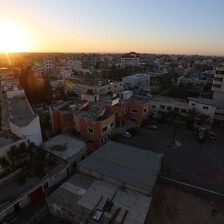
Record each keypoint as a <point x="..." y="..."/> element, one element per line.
<point x="171" y="205"/>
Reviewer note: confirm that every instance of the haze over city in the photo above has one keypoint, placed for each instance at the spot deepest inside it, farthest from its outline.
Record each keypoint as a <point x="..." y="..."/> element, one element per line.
<point x="171" y="27"/>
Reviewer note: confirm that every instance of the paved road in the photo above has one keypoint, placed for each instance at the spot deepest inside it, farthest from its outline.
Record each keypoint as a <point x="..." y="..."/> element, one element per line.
<point x="199" y="164"/>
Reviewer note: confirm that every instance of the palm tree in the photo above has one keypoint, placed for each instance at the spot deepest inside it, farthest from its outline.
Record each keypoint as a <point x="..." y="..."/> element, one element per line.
<point x="203" y="118"/>
<point x="172" y="118"/>
<point x="193" y="114"/>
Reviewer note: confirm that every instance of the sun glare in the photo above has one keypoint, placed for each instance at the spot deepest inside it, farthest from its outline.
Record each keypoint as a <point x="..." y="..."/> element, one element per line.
<point x="12" y="38"/>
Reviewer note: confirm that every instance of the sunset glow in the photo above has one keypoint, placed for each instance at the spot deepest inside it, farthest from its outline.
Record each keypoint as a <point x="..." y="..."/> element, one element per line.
<point x="12" y="38"/>
<point x="176" y="27"/>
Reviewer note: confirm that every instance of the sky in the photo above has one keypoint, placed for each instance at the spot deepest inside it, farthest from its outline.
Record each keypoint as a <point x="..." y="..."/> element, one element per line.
<point x="144" y="26"/>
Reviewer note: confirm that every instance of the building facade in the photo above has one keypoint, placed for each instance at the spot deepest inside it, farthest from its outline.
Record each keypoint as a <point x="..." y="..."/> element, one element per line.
<point x="130" y="59"/>
<point x="218" y="87"/>
<point x="137" y="80"/>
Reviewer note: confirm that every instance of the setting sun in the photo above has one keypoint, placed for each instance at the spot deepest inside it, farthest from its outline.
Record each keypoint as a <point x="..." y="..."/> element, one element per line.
<point x="12" y="38"/>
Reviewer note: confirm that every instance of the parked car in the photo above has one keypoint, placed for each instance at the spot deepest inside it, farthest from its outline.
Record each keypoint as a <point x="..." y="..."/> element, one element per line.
<point x="152" y="126"/>
<point x="133" y="131"/>
<point x="211" y="135"/>
<point x="126" y="134"/>
<point x="201" y="134"/>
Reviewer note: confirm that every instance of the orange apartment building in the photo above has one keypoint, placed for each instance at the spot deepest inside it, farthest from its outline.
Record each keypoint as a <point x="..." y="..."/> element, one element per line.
<point x="96" y="121"/>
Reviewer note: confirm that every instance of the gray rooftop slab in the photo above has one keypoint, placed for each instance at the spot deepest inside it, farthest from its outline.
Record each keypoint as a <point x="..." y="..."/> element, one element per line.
<point x="125" y="163"/>
<point x="19" y="111"/>
<point x="64" y="146"/>
<point x="80" y="194"/>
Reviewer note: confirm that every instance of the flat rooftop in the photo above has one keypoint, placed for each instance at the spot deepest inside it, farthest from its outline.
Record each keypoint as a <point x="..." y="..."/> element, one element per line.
<point x="166" y="99"/>
<point x="19" y="111"/>
<point x="94" y="109"/>
<point x="11" y="190"/>
<point x="80" y="194"/>
<point x="64" y="146"/>
<point x="137" y="76"/>
<point x="125" y="163"/>
<point x="203" y="101"/>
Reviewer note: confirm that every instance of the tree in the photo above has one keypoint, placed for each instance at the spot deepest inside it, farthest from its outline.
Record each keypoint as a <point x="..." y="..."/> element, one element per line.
<point x="203" y="118"/>
<point x="193" y="114"/>
<point x="30" y="158"/>
<point x="172" y="119"/>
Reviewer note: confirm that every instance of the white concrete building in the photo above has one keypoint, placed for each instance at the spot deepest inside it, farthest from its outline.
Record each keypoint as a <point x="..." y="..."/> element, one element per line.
<point x="137" y="80"/>
<point x="218" y="87"/>
<point x="130" y="59"/>
<point x="20" y="117"/>
<point x="161" y="105"/>
<point x="100" y="88"/>
<point x="75" y="64"/>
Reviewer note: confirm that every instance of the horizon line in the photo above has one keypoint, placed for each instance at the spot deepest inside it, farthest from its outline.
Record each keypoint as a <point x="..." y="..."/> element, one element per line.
<point x="100" y="52"/>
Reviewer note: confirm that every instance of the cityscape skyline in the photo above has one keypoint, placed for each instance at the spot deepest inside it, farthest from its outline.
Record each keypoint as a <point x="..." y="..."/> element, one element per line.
<point x="174" y="27"/>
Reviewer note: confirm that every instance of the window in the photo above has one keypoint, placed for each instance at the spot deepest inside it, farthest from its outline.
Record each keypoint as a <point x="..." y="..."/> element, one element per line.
<point x="117" y="113"/>
<point x="67" y="116"/>
<point x="89" y="141"/>
<point x="111" y="124"/>
<point x="162" y="107"/>
<point x="220" y="72"/>
<point x="193" y="104"/>
<point x="169" y="108"/>
<point x="133" y="119"/>
<point x="176" y="109"/>
<point x="135" y="111"/>
<point x="153" y="106"/>
<point x="183" y="111"/>
<point x="146" y="109"/>
<point x="102" y="141"/>
<point x="90" y="130"/>
<point x="218" y="79"/>
<point x="105" y="128"/>
<point x="206" y="108"/>
<point x="74" y="124"/>
<point x="216" y="86"/>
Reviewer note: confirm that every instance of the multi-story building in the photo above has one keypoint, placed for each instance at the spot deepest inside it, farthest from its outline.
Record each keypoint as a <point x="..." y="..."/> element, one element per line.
<point x="101" y="88"/>
<point x="96" y="121"/>
<point x="130" y="59"/>
<point x="218" y="87"/>
<point x="19" y="116"/>
<point x="75" y="64"/>
<point x="161" y="105"/>
<point x="137" y="80"/>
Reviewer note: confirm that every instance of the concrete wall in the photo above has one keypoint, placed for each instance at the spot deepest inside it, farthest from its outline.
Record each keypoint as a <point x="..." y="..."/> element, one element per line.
<point x="90" y="98"/>
<point x="219" y="98"/>
<point x="32" y="131"/>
